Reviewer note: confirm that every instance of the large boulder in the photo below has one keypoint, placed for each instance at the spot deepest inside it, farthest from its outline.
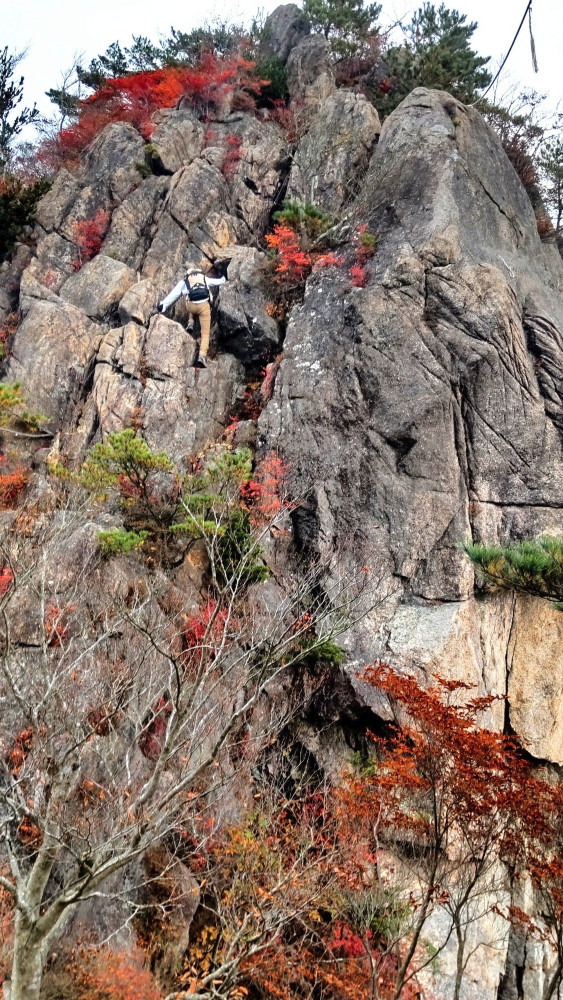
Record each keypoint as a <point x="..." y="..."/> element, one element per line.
<point x="283" y="30"/>
<point x="111" y="171"/>
<point x="132" y="223"/>
<point x="424" y="407"/>
<point x="245" y="327"/>
<point x="252" y="155"/>
<point x="196" y="222"/>
<point x="54" y="205"/>
<point x="310" y="78"/>
<point x="53" y="353"/>
<point x="99" y="286"/>
<point x="330" y="161"/>
<point x="177" y="140"/>
<point x="185" y="415"/>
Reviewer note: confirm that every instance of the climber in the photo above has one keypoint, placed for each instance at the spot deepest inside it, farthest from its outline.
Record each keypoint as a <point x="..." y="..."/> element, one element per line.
<point x="195" y="288"/>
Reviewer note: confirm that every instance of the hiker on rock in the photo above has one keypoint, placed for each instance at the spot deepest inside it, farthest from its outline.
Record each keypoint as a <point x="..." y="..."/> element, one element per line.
<point x="195" y="288"/>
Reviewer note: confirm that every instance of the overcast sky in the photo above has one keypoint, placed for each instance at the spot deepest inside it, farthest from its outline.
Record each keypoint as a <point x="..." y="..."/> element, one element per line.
<point x="55" y="30"/>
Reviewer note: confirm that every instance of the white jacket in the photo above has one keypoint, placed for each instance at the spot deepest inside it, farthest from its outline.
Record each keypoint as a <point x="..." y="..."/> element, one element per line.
<point x="182" y="289"/>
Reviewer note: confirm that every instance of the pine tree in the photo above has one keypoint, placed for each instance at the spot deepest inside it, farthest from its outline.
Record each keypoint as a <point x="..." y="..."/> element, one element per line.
<point x="551" y="164"/>
<point x="112" y="64"/>
<point x="11" y="94"/>
<point x="436" y="53"/>
<point x="530" y="567"/>
<point x="347" y="24"/>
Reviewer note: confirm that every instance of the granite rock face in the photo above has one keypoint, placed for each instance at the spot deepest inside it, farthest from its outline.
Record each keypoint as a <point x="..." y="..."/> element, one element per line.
<point x="420" y="409"/>
<point x="331" y="159"/>
<point x="435" y="404"/>
<point x="284" y="28"/>
<point x="310" y="77"/>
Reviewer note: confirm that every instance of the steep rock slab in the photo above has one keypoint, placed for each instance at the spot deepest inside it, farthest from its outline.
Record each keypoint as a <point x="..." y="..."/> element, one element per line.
<point x="183" y="416"/>
<point x="284" y="28"/>
<point x="132" y="222"/>
<point x="139" y="302"/>
<point x="54" y="205"/>
<point x="252" y="156"/>
<point x="310" y="78"/>
<point x="330" y="161"/>
<point x="117" y="388"/>
<point x="176" y="140"/>
<point x="110" y="173"/>
<point x="245" y="328"/>
<point x="196" y="222"/>
<point x="99" y="286"/>
<point x="53" y="353"/>
<point x="416" y="401"/>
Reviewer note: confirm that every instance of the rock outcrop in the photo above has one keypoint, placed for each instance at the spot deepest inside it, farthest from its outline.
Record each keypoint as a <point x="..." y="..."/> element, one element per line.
<point x="413" y="412"/>
<point x="436" y="406"/>
<point x="284" y="28"/>
<point x="331" y="160"/>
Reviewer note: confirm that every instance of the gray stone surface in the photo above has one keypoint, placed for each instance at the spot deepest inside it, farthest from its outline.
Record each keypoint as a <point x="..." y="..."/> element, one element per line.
<point x="139" y="302"/>
<point x="418" y="404"/>
<point x="283" y="30"/>
<point x="244" y="327"/>
<point x="310" y="78"/>
<point x="54" y="205"/>
<point x="418" y="410"/>
<point x="330" y="161"/>
<point x="99" y="286"/>
<point x="52" y="355"/>
<point x="253" y="177"/>
<point x="132" y="223"/>
<point x="177" y="139"/>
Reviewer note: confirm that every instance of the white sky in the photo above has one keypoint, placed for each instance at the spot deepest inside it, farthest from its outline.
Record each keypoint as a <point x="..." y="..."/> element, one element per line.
<point x="55" y="30"/>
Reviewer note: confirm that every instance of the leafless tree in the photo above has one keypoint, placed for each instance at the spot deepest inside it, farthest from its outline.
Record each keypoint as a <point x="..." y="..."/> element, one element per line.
<point x="119" y="716"/>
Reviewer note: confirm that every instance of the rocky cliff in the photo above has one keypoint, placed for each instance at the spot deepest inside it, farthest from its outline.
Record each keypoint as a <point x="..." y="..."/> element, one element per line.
<point x="414" y="412"/>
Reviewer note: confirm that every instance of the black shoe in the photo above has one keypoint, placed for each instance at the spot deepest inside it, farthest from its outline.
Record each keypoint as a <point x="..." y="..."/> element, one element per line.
<point x="201" y="362"/>
<point x="191" y="327"/>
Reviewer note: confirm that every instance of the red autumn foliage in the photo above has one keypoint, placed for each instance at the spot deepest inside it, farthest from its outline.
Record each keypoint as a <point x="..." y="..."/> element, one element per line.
<point x="358" y="275"/>
<point x="291" y="263"/>
<point x="204" y="631"/>
<point x="328" y="260"/>
<point x="364" y="244"/>
<point x="88" y="236"/>
<point x="101" y="974"/>
<point x="6" y="580"/>
<point x="455" y="795"/>
<point x="134" y="99"/>
<point x="154" y="729"/>
<point x="12" y="485"/>
<point x="19" y="750"/>
<point x="57" y="625"/>
<point x="29" y="833"/>
<point x="346" y="943"/>
<point x="264" y="495"/>
<point x="233" y="155"/>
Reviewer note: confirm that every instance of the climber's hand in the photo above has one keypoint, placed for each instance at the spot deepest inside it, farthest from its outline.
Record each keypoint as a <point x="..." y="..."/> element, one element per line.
<point x="159" y="308"/>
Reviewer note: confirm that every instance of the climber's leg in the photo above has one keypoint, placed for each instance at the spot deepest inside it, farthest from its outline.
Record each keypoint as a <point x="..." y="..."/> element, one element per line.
<point x="191" y="313"/>
<point x="203" y="310"/>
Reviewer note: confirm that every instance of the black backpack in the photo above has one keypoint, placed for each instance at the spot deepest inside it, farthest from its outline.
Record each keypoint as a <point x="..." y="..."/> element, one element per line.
<point x="197" y="286"/>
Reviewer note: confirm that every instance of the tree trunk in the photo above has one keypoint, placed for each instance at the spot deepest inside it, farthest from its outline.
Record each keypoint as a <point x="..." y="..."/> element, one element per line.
<point x="460" y="958"/>
<point x="27" y="965"/>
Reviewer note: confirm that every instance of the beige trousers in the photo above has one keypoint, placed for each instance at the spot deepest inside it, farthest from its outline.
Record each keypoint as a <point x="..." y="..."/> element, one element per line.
<point x="203" y="310"/>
